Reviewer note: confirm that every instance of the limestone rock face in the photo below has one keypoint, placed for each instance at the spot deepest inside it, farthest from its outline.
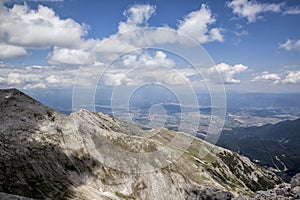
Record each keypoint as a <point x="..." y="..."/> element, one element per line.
<point x="86" y="155"/>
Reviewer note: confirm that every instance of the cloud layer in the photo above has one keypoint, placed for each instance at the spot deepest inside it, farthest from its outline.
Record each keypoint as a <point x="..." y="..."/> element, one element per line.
<point x="23" y="29"/>
<point x="33" y="77"/>
<point x="291" y="77"/>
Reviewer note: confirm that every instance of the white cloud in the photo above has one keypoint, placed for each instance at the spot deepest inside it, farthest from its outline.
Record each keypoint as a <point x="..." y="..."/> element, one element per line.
<point x="241" y="33"/>
<point x="142" y="67"/>
<point x="292" y="11"/>
<point x="251" y="9"/>
<point x="31" y="77"/>
<point x="160" y="58"/>
<point x="137" y="17"/>
<point x="39" y="28"/>
<point x="196" y="25"/>
<point x="35" y="67"/>
<point x="115" y="44"/>
<point x="34" y="86"/>
<point x="24" y="28"/>
<point x="10" y="51"/>
<point x="19" y="78"/>
<point x="227" y="72"/>
<point x="290" y="45"/>
<point x="267" y="77"/>
<point x="292" y="77"/>
<point x="148" y="74"/>
<point x="62" y="56"/>
<point x="54" y="79"/>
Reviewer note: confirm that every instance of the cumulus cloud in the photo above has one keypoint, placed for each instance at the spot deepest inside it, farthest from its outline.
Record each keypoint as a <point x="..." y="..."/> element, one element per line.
<point x="70" y="57"/>
<point x="267" y="77"/>
<point x="292" y="77"/>
<point x="227" y="72"/>
<point x="11" y="51"/>
<point x="196" y="25"/>
<point x="39" y="28"/>
<point x="290" y="45"/>
<point x="251" y="9"/>
<point x="22" y="27"/>
<point x="137" y="17"/>
<point x="160" y="58"/>
<point x="116" y="44"/>
<point x="145" y="67"/>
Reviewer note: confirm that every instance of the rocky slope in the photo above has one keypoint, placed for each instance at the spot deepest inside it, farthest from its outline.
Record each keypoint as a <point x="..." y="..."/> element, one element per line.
<point x="289" y="191"/>
<point x="86" y="155"/>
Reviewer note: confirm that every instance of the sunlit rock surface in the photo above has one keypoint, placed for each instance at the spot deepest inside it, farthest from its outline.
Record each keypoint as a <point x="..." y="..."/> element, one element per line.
<point x="47" y="154"/>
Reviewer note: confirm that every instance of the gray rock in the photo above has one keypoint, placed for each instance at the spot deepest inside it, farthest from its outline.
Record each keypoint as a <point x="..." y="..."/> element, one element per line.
<point x="207" y="193"/>
<point x="295" y="181"/>
<point x="5" y="196"/>
<point x="296" y="191"/>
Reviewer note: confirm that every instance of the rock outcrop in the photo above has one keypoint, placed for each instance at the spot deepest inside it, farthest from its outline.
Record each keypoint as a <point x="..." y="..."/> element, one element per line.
<point x="289" y="191"/>
<point x="86" y="155"/>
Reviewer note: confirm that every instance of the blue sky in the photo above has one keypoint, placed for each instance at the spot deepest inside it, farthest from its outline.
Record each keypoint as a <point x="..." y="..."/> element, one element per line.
<point x="255" y="45"/>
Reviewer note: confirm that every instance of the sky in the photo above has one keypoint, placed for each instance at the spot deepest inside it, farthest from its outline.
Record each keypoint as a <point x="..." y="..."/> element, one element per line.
<point x="254" y="46"/>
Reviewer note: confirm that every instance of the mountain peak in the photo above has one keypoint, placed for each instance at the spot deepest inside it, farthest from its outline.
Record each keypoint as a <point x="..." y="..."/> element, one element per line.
<point x="10" y="98"/>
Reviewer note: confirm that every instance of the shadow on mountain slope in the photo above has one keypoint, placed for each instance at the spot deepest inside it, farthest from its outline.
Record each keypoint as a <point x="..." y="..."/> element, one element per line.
<point x="32" y="163"/>
<point x="41" y="170"/>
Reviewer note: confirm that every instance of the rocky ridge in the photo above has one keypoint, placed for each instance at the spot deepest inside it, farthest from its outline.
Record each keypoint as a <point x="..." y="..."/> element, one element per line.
<point x="47" y="154"/>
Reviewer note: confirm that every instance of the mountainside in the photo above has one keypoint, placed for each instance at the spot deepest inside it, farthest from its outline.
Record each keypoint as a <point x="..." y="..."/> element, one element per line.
<point x="86" y="155"/>
<point x="272" y="145"/>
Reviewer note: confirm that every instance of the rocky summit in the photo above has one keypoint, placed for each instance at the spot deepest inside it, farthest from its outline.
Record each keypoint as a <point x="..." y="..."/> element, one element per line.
<point x="86" y="155"/>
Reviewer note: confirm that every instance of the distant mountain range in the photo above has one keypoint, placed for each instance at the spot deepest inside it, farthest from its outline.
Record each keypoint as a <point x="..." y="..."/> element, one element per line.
<point x="273" y="145"/>
<point x="46" y="154"/>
